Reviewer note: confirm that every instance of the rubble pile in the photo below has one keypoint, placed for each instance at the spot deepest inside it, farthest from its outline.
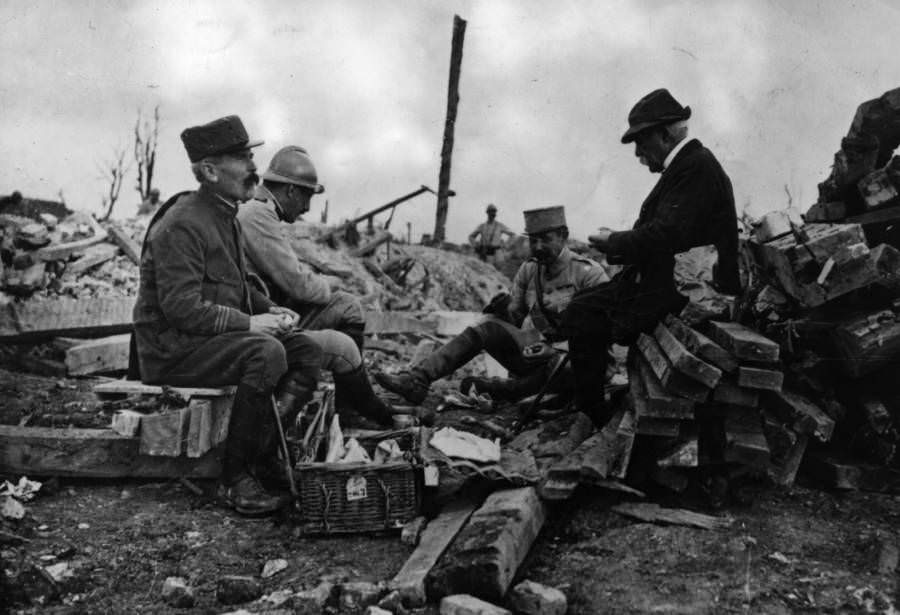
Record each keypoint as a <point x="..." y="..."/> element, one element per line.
<point x="827" y="289"/>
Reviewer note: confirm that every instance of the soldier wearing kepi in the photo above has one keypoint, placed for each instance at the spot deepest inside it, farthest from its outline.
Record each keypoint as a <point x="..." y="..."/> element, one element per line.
<point x="691" y="205"/>
<point x="197" y="320"/>
<point x="542" y="287"/>
<point x="288" y="186"/>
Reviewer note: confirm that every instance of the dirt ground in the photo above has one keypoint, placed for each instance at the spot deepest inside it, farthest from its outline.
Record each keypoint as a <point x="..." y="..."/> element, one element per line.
<point x="800" y="550"/>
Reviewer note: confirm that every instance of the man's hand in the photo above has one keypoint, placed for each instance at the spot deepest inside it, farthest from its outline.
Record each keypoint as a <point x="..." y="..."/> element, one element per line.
<point x="600" y="240"/>
<point x="277" y="322"/>
<point x="289" y="317"/>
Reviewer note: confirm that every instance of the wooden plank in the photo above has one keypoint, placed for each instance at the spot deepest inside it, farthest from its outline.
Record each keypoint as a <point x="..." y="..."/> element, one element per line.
<point x="759" y="378"/>
<point x="673" y="381"/>
<point x="129" y="246"/>
<point x="654" y="513"/>
<point x="684" y="360"/>
<point x="743" y="342"/>
<point x="660" y="403"/>
<point x="484" y="557"/>
<point x="701" y="345"/>
<point x="783" y="470"/>
<point x="729" y="392"/>
<point x="652" y="426"/>
<point x="868" y="341"/>
<point x="92" y="453"/>
<point x="134" y="387"/>
<point x="801" y="414"/>
<point x="108" y="354"/>
<point x="42" y="319"/>
<point x="92" y="256"/>
<point x="410" y="580"/>
<point x="745" y="442"/>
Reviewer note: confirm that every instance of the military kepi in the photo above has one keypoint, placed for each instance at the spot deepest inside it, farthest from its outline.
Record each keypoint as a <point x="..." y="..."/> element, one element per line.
<point x="657" y="107"/>
<point x="544" y="219"/>
<point x="222" y="136"/>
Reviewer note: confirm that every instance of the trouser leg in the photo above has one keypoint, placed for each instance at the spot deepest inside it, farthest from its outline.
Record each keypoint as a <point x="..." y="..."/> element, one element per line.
<point x="342" y="313"/>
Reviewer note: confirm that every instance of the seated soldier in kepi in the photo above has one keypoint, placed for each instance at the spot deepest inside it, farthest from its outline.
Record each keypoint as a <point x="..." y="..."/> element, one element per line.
<point x="197" y="320"/>
<point x="541" y="288"/>
<point x="288" y="186"/>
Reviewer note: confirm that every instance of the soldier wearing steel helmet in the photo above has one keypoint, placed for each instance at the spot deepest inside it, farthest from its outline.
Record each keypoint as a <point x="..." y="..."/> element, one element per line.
<point x="334" y="319"/>
<point x="487" y="238"/>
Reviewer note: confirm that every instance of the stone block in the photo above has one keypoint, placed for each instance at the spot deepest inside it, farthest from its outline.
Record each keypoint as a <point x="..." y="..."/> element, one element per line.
<point x="530" y="598"/>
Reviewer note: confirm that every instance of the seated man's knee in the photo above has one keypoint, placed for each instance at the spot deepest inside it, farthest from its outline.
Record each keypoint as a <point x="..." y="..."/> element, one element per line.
<point x="339" y="352"/>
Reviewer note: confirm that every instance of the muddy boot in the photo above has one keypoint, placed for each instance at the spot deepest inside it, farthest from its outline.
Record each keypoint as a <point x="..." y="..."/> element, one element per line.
<point x="413" y="384"/>
<point x="353" y="392"/>
<point x="242" y="448"/>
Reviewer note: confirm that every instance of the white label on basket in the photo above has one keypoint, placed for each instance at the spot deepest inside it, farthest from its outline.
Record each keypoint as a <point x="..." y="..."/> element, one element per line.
<point x="356" y="488"/>
<point x="432" y="476"/>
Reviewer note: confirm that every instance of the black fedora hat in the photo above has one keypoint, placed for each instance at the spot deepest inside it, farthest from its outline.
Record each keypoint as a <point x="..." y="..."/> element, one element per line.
<point x="657" y="107"/>
<point x="222" y="136"/>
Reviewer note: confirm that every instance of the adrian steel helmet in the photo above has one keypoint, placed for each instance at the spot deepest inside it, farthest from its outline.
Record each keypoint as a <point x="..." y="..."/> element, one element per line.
<point x="292" y="165"/>
<point x="491" y="208"/>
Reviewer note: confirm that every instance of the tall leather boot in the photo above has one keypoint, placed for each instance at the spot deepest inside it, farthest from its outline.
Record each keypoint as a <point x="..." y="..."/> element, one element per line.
<point x="294" y="391"/>
<point x="239" y="487"/>
<point x="413" y="384"/>
<point x="353" y="391"/>
<point x="589" y="360"/>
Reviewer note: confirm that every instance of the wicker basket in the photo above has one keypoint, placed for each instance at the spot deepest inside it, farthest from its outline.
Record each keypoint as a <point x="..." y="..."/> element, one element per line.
<point x="360" y="497"/>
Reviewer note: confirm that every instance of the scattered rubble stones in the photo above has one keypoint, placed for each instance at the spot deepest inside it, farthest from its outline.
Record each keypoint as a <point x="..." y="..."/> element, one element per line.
<point x="313" y="601"/>
<point x="235" y="589"/>
<point x="177" y="593"/>
<point x="530" y="598"/>
<point x="358" y="595"/>
<point x="464" y="604"/>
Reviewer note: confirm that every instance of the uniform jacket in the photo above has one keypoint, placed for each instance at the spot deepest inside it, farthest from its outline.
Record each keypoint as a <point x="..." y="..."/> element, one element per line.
<point x="193" y="282"/>
<point x="691" y="205"/>
<point x="541" y="299"/>
<point x="271" y="257"/>
<point x="491" y="234"/>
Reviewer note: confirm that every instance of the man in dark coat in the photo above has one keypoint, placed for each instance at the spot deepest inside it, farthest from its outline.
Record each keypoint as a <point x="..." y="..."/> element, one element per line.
<point x="197" y="320"/>
<point x="691" y="205"/>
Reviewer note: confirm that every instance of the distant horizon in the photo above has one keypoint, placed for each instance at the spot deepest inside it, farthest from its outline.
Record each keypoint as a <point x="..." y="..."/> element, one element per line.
<point x="544" y="96"/>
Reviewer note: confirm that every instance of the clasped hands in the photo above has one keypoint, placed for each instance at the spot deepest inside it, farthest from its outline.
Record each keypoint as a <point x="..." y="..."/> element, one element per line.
<point x="277" y="321"/>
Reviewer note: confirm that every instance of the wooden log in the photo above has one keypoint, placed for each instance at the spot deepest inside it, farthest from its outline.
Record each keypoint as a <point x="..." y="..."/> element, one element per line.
<point x="92" y="453"/>
<point x="759" y="378"/>
<point x="684" y="360"/>
<point x="134" y="387"/>
<point x="483" y="559"/>
<point x="62" y="251"/>
<point x="743" y="342"/>
<point x="802" y="415"/>
<point x="868" y="342"/>
<point x="798" y="265"/>
<point x="380" y="237"/>
<point x="410" y="581"/>
<point x="673" y="381"/>
<point x="108" y="354"/>
<point x="38" y="320"/>
<point x="395" y="322"/>
<point x="91" y="257"/>
<point x="701" y="345"/>
<point x="129" y="246"/>
<point x="745" y="442"/>
<point x="729" y="392"/>
<point x="659" y="403"/>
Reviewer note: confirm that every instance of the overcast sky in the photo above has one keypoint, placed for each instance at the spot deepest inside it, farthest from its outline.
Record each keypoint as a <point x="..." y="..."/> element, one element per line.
<point x="544" y="95"/>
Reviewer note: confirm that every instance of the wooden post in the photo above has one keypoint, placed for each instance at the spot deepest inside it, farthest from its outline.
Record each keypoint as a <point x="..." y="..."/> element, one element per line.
<point x="440" y="222"/>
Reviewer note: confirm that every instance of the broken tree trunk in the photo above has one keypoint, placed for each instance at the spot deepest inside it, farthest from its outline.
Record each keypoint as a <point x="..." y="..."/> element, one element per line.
<point x="456" y="50"/>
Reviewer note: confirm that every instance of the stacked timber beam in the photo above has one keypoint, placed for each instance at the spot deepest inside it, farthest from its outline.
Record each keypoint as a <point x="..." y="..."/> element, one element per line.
<point x="713" y="397"/>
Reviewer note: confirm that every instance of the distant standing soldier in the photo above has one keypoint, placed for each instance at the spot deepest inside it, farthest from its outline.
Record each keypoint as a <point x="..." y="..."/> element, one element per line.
<point x="149" y="205"/>
<point x="487" y="238"/>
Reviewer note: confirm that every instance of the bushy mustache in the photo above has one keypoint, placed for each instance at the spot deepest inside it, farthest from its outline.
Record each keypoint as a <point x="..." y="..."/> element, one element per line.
<point x="252" y="180"/>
